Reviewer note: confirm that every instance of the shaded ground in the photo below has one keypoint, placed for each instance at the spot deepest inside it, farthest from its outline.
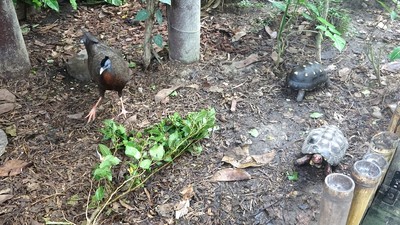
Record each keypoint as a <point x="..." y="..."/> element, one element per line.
<point x="63" y="150"/>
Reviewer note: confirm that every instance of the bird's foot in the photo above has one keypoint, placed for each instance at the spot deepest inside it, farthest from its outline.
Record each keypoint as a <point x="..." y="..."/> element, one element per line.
<point x="123" y="112"/>
<point x="92" y="115"/>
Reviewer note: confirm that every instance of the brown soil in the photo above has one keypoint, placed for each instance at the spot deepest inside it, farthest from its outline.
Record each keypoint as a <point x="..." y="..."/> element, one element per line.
<point x="63" y="150"/>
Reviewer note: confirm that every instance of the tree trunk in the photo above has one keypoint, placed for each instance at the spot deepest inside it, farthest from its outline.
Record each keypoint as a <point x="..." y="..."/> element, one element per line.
<point x="14" y="59"/>
<point x="149" y="23"/>
<point x="184" y="30"/>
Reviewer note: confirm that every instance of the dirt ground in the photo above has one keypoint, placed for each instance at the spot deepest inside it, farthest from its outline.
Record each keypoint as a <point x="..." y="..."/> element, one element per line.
<point x="62" y="147"/>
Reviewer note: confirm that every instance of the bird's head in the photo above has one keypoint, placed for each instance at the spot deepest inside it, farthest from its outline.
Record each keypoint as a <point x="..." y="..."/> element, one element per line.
<point x="105" y="64"/>
<point x="88" y="38"/>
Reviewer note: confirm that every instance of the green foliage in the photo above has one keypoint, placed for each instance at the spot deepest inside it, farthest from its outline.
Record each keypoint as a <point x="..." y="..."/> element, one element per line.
<point x="249" y="4"/>
<point x="142" y="15"/>
<point x="395" y="54"/>
<point x="312" y="13"/>
<point x="158" y="40"/>
<point x="53" y="4"/>
<point x="292" y="175"/>
<point x="393" y="12"/>
<point x="168" y="2"/>
<point x="144" y="153"/>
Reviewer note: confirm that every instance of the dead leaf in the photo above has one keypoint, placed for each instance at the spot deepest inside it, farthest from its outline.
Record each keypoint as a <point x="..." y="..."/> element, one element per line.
<point x="275" y="56"/>
<point x="264" y="158"/>
<point x="6" y="107"/>
<point x="344" y="72"/>
<point x="38" y="43"/>
<point x="7" y="96"/>
<point x="5" y="197"/>
<point x="165" y="210"/>
<point x="11" y="130"/>
<point x="182" y="208"/>
<point x="393" y="67"/>
<point x="240" y="158"/>
<point x="238" y="35"/>
<point x="270" y="32"/>
<point x="249" y="60"/>
<point x="194" y="86"/>
<point x="13" y="167"/>
<point x="76" y="116"/>
<point x="230" y="174"/>
<point x="187" y="192"/>
<point x="162" y="94"/>
<point x="216" y="89"/>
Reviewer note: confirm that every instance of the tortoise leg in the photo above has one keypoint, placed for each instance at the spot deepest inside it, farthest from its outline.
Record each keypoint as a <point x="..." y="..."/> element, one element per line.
<point x="300" y="95"/>
<point x="328" y="83"/>
<point x="303" y="160"/>
<point x="328" y="169"/>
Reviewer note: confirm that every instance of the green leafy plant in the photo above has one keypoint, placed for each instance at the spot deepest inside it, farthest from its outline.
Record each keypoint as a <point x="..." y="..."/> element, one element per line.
<point x="311" y="12"/>
<point x="141" y="154"/>
<point x="393" y="12"/>
<point x="52" y="4"/>
<point x="395" y="54"/>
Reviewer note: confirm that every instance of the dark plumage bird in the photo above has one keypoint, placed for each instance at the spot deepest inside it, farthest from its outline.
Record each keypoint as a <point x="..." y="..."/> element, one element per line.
<point x="107" y="68"/>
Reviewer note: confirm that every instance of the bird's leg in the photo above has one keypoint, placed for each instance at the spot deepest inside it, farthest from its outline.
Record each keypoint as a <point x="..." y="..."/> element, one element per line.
<point x="123" y="111"/>
<point x="92" y="114"/>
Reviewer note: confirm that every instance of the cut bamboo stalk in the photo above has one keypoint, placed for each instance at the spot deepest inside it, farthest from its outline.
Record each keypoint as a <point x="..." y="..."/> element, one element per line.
<point x="366" y="176"/>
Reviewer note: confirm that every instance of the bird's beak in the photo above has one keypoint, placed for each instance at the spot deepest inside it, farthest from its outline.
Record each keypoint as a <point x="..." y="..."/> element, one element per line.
<point x="101" y="70"/>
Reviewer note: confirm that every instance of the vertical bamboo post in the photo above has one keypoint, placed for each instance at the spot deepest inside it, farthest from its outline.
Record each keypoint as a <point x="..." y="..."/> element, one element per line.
<point x="394" y="122"/>
<point x="385" y="144"/>
<point x="366" y="176"/>
<point x="336" y="199"/>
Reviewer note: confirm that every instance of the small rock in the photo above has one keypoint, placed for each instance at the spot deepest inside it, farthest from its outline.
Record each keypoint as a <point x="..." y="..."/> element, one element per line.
<point x="376" y="112"/>
<point x="3" y="142"/>
<point x="77" y="67"/>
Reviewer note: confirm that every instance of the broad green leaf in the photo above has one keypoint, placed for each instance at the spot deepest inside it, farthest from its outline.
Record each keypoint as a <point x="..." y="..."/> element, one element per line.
<point x="320" y="27"/>
<point x="109" y="161"/>
<point x="159" y="16"/>
<point x="157" y="152"/>
<point x="132" y="65"/>
<point x="280" y="5"/>
<point x="313" y="8"/>
<point x="325" y="22"/>
<point x="104" y="150"/>
<point x="316" y="115"/>
<point x="52" y="4"/>
<point x="173" y="139"/>
<point x="132" y="152"/>
<point x="395" y="54"/>
<point x="73" y="4"/>
<point x="292" y="176"/>
<point x="393" y="15"/>
<point x="168" y="2"/>
<point x="339" y="42"/>
<point x="158" y="40"/>
<point x="254" y="132"/>
<point x="99" y="194"/>
<point x="114" y="2"/>
<point x="145" y="164"/>
<point x="103" y="173"/>
<point x="307" y="17"/>
<point x="142" y="15"/>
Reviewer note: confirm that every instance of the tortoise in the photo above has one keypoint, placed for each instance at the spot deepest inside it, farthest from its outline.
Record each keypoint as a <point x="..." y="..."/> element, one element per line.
<point x="307" y="77"/>
<point x="324" y="144"/>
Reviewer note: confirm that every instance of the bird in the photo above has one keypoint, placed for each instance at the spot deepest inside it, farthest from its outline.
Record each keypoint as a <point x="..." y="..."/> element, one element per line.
<point x="108" y="70"/>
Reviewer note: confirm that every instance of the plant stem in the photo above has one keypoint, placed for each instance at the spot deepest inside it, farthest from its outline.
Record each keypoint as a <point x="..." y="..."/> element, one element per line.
<point x="318" y="42"/>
